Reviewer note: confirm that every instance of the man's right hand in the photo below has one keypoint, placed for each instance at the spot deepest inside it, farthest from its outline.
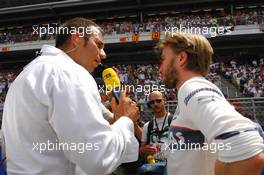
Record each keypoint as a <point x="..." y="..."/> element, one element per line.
<point x="126" y="107"/>
<point x="148" y="149"/>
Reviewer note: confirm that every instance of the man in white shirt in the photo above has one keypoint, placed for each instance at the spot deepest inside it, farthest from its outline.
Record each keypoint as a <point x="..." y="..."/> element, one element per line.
<point x="52" y="117"/>
<point x="205" y="121"/>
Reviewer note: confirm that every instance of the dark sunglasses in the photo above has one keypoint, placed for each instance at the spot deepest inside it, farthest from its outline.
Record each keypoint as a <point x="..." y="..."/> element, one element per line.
<point x="151" y="102"/>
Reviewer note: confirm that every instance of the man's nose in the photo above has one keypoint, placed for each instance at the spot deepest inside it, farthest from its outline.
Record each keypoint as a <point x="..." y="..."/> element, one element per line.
<point x="102" y="54"/>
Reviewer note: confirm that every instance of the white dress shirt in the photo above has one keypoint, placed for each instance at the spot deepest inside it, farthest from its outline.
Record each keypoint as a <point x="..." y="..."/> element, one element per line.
<point x="52" y="122"/>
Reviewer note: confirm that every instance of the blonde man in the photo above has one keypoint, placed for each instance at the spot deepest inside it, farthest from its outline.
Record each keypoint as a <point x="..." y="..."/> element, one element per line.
<point x="204" y="116"/>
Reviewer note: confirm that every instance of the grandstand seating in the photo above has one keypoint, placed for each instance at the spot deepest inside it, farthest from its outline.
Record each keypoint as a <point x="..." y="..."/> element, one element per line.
<point x="150" y="24"/>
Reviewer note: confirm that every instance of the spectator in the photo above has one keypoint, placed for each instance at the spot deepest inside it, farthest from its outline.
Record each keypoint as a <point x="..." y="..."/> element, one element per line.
<point x="155" y="133"/>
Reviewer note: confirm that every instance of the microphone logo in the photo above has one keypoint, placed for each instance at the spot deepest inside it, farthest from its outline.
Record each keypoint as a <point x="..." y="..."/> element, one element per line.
<point x="112" y="82"/>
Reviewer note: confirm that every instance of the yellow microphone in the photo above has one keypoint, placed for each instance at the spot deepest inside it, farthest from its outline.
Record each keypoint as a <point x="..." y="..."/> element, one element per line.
<point x="112" y="82"/>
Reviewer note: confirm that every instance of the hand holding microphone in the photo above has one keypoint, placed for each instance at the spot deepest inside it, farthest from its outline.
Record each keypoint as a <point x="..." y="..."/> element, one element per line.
<point x="126" y="107"/>
<point x="120" y="104"/>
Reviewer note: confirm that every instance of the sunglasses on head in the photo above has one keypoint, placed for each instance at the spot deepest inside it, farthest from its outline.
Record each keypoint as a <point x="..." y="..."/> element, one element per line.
<point x="151" y="102"/>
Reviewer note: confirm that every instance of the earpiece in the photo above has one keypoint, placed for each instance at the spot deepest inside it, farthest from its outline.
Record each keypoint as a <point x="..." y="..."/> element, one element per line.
<point x="73" y="48"/>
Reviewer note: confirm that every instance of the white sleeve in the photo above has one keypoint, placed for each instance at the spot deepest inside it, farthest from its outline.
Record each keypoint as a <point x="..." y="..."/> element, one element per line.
<point x="106" y="113"/>
<point x="209" y="111"/>
<point x="144" y="133"/>
<point x="76" y="117"/>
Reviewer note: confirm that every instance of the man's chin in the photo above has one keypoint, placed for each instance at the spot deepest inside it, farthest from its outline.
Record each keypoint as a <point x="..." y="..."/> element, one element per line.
<point x="157" y="110"/>
<point x="95" y="65"/>
<point x="169" y="85"/>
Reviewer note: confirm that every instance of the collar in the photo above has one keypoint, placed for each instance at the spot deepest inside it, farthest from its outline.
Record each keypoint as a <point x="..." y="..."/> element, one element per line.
<point x="191" y="79"/>
<point x="50" y="50"/>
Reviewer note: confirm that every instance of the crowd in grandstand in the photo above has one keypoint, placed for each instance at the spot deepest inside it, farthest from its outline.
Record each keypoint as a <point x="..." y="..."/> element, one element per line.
<point x="146" y="78"/>
<point x="6" y="78"/>
<point x="242" y="17"/>
<point x="248" y="77"/>
<point x="150" y="24"/>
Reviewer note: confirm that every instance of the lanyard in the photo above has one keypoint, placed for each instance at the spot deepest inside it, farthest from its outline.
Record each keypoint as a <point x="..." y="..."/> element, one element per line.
<point x="162" y="128"/>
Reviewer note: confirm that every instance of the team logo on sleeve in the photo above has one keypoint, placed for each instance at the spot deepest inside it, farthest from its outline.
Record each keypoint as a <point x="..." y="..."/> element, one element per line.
<point x="190" y="95"/>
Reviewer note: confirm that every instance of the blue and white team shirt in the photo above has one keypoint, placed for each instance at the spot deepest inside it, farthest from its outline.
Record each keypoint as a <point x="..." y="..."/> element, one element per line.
<point x="207" y="127"/>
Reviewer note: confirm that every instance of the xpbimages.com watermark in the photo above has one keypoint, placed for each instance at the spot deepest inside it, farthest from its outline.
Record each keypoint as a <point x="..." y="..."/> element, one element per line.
<point x="64" y="30"/>
<point x="206" y="31"/>
<point x="146" y="89"/>
<point x="182" y="146"/>
<point x="59" y="146"/>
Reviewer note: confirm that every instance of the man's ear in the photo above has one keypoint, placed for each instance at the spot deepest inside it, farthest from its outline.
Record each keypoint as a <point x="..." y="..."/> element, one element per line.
<point x="75" y="39"/>
<point x="183" y="58"/>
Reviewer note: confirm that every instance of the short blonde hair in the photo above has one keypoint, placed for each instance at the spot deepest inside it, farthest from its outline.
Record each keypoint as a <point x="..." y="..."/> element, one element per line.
<point x="197" y="47"/>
